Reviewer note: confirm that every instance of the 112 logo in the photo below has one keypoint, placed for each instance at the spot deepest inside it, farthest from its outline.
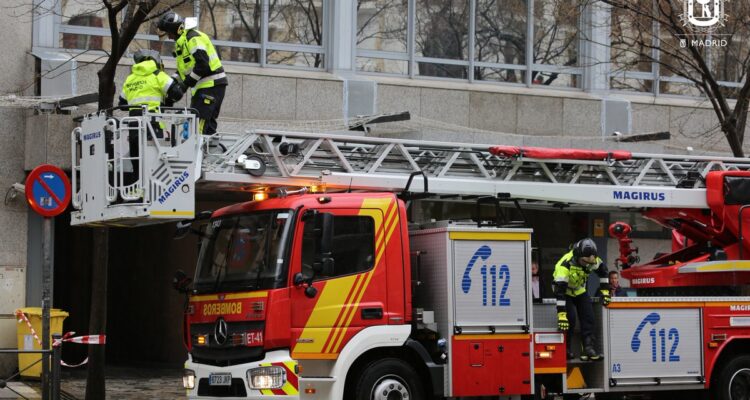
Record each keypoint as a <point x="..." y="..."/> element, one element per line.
<point x="493" y="276"/>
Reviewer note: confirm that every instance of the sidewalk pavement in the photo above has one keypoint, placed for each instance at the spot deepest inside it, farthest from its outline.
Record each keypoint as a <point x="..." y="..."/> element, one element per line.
<point x="121" y="383"/>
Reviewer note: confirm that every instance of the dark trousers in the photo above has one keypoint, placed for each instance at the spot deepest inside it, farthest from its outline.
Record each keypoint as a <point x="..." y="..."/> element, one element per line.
<point x="579" y="307"/>
<point x="208" y="104"/>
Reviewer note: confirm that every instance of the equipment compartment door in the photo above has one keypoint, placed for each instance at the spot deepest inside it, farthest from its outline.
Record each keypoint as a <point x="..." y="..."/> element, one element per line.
<point x="489" y="283"/>
<point x="486" y="366"/>
<point x="655" y="343"/>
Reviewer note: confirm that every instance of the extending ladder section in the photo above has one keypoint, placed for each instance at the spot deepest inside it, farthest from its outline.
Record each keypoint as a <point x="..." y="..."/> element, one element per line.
<point x="262" y="160"/>
<point x="462" y="169"/>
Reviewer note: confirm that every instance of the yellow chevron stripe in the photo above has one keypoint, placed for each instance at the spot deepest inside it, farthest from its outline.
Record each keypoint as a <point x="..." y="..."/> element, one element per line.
<point x="369" y="207"/>
<point x="337" y="290"/>
<point x="337" y="343"/>
<point x="323" y="317"/>
<point x="292" y="365"/>
<point x="375" y="211"/>
<point x="345" y="309"/>
<point x="289" y="389"/>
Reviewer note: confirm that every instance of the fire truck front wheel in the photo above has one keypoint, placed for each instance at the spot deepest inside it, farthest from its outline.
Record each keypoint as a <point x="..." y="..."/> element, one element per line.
<point x="388" y="379"/>
<point x="733" y="382"/>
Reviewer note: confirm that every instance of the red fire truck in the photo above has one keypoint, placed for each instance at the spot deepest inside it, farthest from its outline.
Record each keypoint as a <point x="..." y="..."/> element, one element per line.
<point x="372" y="309"/>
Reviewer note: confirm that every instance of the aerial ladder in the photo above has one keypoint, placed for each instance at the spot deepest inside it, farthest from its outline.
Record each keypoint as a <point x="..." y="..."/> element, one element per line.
<point x="174" y="163"/>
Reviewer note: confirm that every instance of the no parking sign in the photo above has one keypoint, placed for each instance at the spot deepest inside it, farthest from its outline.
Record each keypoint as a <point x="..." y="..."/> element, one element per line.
<point x="48" y="190"/>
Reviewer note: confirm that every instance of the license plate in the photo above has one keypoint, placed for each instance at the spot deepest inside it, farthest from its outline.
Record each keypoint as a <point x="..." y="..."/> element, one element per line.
<point x="220" y="379"/>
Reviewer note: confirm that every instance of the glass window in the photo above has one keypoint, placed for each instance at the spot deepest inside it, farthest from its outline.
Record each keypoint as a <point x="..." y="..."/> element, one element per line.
<point x="279" y="57"/>
<point x="381" y="25"/>
<point x="679" y="88"/>
<point x="244" y="252"/>
<point x="442" y="31"/>
<point x="556" y="32"/>
<point x="556" y="79"/>
<point x="233" y="20"/>
<point x="620" y="82"/>
<point x="353" y="247"/>
<point x="500" y="35"/>
<point x="630" y="34"/>
<point x="87" y="13"/>
<point x="499" y="75"/>
<point x="728" y="63"/>
<point x="296" y="21"/>
<point x="80" y="41"/>
<point x="371" y="64"/>
<point x="240" y="22"/>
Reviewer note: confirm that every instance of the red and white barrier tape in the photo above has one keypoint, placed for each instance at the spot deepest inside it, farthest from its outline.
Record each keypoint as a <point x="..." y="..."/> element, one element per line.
<point x="22" y="318"/>
<point x="67" y="337"/>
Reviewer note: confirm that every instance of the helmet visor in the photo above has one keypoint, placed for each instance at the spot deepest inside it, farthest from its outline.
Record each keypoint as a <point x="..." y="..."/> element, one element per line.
<point x="589" y="259"/>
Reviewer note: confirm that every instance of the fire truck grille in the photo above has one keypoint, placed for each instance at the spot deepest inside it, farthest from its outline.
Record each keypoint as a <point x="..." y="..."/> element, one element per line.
<point x="226" y="351"/>
<point x="228" y="356"/>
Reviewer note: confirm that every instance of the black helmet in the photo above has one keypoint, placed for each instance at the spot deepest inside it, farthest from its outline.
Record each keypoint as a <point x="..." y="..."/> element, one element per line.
<point x="144" y="54"/>
<point x="170" y="22"/>
<point x="584" y="248"/>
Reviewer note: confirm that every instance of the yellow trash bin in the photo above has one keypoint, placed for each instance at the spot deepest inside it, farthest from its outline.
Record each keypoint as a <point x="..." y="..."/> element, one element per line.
<point x="26" y="340"/>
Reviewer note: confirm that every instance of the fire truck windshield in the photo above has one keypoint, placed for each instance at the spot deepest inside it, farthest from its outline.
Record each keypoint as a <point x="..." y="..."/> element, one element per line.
<point x="244" y="252"/>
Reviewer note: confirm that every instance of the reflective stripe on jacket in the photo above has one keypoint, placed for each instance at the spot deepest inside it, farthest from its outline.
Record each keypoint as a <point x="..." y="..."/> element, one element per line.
<point x="198" y="63"/>
<point x="567" y="270"/>
<point x="146" y="85"/>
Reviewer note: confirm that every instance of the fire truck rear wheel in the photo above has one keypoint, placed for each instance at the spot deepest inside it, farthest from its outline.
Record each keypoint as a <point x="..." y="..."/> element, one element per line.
<point x="734" y="380"/>
<point x="389" y="379"/>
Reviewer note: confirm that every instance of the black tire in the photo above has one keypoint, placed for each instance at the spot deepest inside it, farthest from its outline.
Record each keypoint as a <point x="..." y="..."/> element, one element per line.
<point x="733" y="382"/>
<point x="388" y="376"/>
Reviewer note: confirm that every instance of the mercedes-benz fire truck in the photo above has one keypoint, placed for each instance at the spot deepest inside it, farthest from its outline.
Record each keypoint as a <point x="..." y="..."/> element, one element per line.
<point x="323" y="265"/>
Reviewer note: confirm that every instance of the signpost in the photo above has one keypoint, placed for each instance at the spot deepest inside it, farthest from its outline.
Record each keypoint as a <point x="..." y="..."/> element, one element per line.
<point x="48" y="194"/>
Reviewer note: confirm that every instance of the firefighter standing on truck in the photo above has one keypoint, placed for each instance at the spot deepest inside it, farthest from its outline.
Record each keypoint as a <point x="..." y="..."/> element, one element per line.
<point x="571" y="274"/>
<point x="147" y="85"/>
<point x="198" y="67"/>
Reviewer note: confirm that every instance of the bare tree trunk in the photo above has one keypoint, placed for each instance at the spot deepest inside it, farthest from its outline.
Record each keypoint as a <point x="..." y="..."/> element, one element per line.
<point x="122" y="29"/>
<point x="95" y="379"/>
<point x="107" y="85"/>
<point x="730" y="130"/>
<point x="95" y="383"/>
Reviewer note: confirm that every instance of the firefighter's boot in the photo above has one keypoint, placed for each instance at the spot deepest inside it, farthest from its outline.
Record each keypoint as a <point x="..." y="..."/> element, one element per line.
<point x="589" y="351"/>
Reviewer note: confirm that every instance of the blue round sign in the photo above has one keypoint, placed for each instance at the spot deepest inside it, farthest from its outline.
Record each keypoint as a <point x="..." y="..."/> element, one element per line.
<point x="48" y="190"/>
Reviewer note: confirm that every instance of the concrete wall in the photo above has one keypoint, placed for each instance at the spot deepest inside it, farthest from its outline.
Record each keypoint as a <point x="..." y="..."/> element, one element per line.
<point x="17" y="77"/>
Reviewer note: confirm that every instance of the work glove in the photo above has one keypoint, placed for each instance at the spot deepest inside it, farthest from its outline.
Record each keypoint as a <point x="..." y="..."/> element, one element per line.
<point x="180" y="82"/>
<point x="562" y="321"/>
<point x="606" y="298"/>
